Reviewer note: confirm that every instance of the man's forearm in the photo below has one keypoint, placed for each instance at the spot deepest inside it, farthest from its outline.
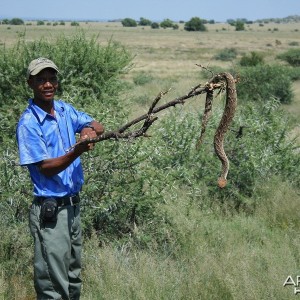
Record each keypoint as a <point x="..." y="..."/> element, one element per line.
<point x="53" y="166"/>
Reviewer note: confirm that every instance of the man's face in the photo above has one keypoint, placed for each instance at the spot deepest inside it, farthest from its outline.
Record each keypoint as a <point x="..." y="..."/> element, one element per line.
<point x="44" y="85"/>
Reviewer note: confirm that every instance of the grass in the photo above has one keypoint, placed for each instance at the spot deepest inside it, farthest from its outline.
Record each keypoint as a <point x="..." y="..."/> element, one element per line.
<point x="218" y="255"/>
<point x="168" y="45"/>
<point x="294" y="110"/>
<point x="230" y="257"/>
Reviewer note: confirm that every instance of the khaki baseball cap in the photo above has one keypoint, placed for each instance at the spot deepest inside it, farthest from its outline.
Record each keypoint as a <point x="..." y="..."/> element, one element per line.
<point x="39" y="64"/>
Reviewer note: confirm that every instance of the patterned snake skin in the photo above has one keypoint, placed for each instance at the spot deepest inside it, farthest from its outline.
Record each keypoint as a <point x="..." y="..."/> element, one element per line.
<point x="230" y="107"/>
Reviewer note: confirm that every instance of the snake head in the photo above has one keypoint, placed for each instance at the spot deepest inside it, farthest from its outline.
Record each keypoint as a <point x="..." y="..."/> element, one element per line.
<point x="222" y="182"/>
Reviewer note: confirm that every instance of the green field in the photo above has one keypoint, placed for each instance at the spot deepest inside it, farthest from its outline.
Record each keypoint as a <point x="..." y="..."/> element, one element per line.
<point x="208" y="247"/>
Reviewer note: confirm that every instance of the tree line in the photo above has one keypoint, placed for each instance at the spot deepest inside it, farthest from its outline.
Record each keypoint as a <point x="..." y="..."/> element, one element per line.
<point x="194" y="24"/>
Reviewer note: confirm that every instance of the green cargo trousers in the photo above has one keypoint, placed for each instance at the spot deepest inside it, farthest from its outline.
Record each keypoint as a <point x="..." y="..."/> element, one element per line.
<point x="57" y="253"/>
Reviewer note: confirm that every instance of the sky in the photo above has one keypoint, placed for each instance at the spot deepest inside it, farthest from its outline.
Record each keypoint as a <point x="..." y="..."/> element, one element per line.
<point x="154" y="10"/>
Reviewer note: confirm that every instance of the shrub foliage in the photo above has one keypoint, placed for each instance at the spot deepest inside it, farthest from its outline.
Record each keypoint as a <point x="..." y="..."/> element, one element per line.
<point x="262" y="82"/>
<point x="195" y="24"/>
<point x="128" y="22"/>
<point x="251" y="60"/>
<point x="227" y="54"/>
<point x="291" y="56"/>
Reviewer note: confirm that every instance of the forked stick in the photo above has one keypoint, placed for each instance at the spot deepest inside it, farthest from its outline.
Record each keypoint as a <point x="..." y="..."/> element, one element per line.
<point x="150" y="118"/>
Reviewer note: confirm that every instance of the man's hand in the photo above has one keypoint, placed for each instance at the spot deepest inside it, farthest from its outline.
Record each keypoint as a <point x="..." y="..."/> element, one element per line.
<point x="53" y="166"/>
<point x="95" y="129"/>
<point x="85" y="134"/>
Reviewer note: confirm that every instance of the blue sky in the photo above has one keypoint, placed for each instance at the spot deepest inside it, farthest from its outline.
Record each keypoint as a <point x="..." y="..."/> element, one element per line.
<point x="155" y="10"/>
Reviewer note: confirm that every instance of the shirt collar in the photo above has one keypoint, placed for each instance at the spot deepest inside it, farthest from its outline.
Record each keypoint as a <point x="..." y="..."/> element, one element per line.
<point x="41" y="114"/>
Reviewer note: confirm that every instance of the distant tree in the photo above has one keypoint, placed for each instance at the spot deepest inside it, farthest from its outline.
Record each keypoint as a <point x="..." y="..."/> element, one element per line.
<point x="231" y="22"/>
<point x="167" y="23"/>
<point x="5" y="21"/>
<point x="16" y="21"/>
<point x="244" y="20"/>
<point x="239" y="25"/>
<point x="175" y="26"/>
<point x="145" y="22"/>
<point x="154" y="25"/>
<point x="128" y="22"/>
<point x="195" y="24"/>
<point x="74" y="23"/>
<point x="39" y="23"/>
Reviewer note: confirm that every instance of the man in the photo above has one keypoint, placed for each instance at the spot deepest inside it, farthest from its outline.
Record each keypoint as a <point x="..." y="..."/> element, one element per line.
<point x="45" y="133"/>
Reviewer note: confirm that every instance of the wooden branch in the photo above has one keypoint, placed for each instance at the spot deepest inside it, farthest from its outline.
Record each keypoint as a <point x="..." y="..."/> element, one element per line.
<point x="150" y="117"/>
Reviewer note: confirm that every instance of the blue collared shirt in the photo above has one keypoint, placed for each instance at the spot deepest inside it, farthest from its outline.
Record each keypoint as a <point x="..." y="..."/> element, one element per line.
<point x="41" y="136"/>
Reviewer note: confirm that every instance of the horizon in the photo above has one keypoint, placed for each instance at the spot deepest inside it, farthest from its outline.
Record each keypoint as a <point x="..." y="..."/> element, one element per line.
<point x="120" y="19"/>
<point x="176" y="10"/>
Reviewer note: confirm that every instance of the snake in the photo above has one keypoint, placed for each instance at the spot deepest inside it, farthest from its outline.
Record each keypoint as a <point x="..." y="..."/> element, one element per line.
<point x="221" y="79"/>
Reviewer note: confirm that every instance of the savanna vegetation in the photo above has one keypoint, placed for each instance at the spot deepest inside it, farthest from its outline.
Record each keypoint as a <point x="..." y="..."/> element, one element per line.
<point x="156" y="226"/>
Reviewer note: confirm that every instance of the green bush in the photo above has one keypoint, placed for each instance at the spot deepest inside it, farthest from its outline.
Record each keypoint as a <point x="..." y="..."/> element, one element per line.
<point x="260" y="151"/>
<point x="226" y="54"/>
<point x="291" y="56"/>
<point x="16" y="21"/>
<point x="74" y="23"/>
<point x="145" y="22"/>
<point x="195" y="24"/>
<point x="128" y="22"/>
<point x="167" y="23"/>
<point x="252" y="60"/>
<point x="155" y="25"/>
<point x="83" y="80"/>
<point x="294" y="43"/>
<point x="261" y="82"/>
<point x="239" y="26"/>
<point x="294" y="73"/>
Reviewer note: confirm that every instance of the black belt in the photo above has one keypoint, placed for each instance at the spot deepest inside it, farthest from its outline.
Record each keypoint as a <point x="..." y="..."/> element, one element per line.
<point x="62" y="201"/>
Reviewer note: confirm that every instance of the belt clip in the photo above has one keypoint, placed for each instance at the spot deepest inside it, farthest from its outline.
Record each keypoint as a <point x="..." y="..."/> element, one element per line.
<point x="71" y="201"/>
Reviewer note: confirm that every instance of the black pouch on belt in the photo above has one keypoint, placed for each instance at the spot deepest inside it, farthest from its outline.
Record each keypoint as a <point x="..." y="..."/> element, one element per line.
<point x="49" y="210"/>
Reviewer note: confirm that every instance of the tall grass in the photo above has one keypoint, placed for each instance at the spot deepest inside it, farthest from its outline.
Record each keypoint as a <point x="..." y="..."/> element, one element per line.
<point x="219" y="255"/>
